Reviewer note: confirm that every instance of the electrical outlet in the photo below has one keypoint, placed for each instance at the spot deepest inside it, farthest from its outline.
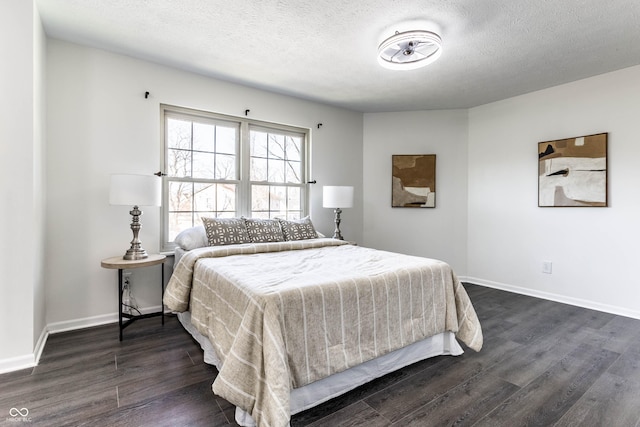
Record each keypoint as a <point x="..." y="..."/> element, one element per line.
<point x="547" y="267"/>
<point x="127" y="277"/>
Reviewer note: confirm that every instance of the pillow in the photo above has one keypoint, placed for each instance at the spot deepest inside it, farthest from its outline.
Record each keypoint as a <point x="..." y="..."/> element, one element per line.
<point x="299" y="229"/>
<point x="264" y="230"/>
<point x="225" y="231"/>
<point x="192" y="238"/>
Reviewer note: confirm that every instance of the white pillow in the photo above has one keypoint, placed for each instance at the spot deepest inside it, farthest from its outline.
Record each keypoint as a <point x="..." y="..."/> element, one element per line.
<point x="192" y="238"/>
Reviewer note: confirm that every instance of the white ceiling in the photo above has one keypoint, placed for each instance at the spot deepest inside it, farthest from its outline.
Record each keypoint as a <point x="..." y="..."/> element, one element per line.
<point x="325" y="50"/>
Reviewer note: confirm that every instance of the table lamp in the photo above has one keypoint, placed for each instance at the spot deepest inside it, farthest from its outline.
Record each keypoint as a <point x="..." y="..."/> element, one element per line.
<point x="135" y="190"/>
<point x="337" y="197"/>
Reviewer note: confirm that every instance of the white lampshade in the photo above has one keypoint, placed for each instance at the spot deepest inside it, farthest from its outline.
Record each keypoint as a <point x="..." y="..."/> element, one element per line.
<point x="337" y="197"/>
<point x="135" y="190"/>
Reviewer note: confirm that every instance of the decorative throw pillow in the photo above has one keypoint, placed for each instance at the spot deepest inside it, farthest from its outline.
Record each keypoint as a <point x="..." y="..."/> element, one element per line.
<point x="225" y="231"/>
<point x="264" y="230"/>
<point x="299" y="229"/>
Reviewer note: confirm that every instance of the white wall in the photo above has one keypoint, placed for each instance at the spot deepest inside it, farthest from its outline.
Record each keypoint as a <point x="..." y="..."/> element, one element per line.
<point x="21" y="186"/>
<point x="99" y="123"/>
<point x="435" y="233"/>
<point x="593" y="250"/>
<point x="39" y="181"/>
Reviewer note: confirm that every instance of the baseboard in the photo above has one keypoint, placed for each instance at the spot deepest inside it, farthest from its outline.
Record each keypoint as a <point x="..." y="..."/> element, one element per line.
<point x="28" y="360"/>
<point x="31" y="360"/>
<point x="17" y="363"/>
<point x="578" y="302"/>
<point x="42" y="340"/>
<point x="89" y="322"/>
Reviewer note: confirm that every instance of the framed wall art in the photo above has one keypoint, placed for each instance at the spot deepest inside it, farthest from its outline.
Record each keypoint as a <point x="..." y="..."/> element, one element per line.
<point x="573" y="172"/>
<point x="413" y="181"/>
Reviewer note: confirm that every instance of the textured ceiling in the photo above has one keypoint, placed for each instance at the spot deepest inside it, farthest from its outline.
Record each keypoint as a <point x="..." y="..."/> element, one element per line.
<point x="325" y="50"/>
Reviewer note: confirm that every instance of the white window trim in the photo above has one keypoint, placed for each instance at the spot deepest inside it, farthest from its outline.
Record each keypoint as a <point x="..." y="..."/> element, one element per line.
<point x="243" y="197"/>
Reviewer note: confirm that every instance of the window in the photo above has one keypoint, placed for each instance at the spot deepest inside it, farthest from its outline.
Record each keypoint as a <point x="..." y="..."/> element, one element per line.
<point x="221" y="166"/>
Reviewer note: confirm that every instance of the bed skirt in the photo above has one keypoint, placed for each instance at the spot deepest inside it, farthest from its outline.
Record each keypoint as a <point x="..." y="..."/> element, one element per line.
<point x="335" y="385"/>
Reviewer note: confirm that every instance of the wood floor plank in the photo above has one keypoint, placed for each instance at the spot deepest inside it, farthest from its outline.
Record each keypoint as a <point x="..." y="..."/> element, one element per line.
<point x="192" y="405"/>
<point x="530" y="361"/>
<point x="463" y="405"/>
<point x="611" y="401"/>
<point x="71" y="407"/>
<point x="628" y="364"/>
<point x="140" y="389"/>
<point x="358" y="414"/>
<point x="538" y="322"/>
<point x="545" y="400"/>
<point x="51" y="386"/>
<point x="408" y="395"/>
<point x="616" y="334"/>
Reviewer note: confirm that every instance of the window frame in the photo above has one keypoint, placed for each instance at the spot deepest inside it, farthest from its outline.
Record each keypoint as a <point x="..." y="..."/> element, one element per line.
<point x="243" y="191"/>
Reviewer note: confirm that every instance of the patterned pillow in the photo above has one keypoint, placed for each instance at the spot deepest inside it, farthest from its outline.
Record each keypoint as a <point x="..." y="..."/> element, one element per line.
<point x="264" y="230"/>
<point x="299" y="229"/>
<point x="225" y="231"/>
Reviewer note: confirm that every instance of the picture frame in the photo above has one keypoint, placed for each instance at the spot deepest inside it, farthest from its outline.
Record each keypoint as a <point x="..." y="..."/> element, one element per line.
<point x="573" y="172"/>
<point x="413" y="181"/>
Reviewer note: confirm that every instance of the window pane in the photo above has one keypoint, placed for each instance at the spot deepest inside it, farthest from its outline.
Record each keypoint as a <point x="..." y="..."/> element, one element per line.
<point x="276" y="170"/>
<point x="180" y="196"/>
<point x="226" y="139"/>
<point x="179" y="163"/>
<point x="260" y="214"/>
<point x="293" y="148"/>
<point x="203" y="137"/>
<point x="226" y="215"/>
<point x="293" y="198"/>
<point x="179" y="134"/>
<point x="258" y="170"/>
<point x="259" y="198"/>
<point x="278" y="200"/>
<point x="204" y="197"/>
<point x="226" y="198"/>
<point x="258" y="144"/>
<point x="276" y="146"/>
<point x="177" y="222"/>
<point x="293" y="172"/>
<point x="294" y="215"/>
<point x="225" y="166"/>
<point x="203" y="165"/>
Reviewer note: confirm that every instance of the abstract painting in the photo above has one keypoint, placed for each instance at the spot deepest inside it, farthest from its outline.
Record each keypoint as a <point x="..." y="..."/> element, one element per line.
<point x="573" y="172"/>
<point x="414" y="181"/>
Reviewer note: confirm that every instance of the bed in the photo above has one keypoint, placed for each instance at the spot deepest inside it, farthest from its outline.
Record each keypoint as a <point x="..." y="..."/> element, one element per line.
<point x="292" y="323"/>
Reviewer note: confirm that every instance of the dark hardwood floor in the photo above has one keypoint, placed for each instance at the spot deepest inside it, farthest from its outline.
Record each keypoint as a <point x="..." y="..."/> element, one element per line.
<point x="543" y="364"/>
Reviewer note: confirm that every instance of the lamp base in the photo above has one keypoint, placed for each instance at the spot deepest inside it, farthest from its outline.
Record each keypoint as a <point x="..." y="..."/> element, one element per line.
<point x="336" y="233"/>
<point x="135" y="254"/>
<point x="135" y="251"/>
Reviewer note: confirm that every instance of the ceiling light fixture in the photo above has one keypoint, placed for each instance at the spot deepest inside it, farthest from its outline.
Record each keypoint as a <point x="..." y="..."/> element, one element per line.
<point x="409" y="50"/>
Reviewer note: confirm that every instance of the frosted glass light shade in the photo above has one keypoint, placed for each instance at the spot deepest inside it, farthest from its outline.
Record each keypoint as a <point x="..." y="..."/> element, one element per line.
<point x="337" y="197"/>
<point x="135" y="190"/>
